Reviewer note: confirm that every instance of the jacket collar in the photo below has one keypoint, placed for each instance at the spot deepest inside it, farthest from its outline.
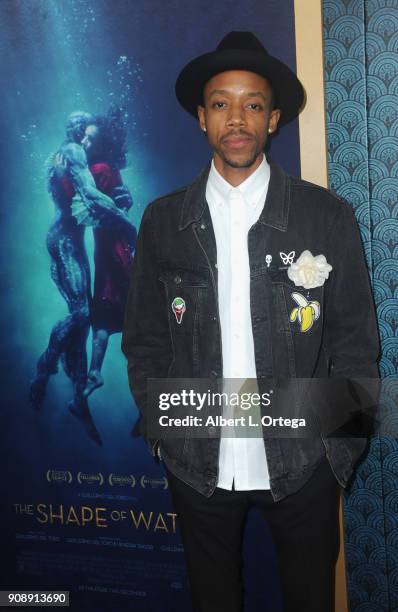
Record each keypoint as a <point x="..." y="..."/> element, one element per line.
<point x="275" y="211"/>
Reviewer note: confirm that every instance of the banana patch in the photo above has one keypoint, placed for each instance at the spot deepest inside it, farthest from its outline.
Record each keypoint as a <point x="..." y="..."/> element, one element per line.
<point x="305" y="313"/>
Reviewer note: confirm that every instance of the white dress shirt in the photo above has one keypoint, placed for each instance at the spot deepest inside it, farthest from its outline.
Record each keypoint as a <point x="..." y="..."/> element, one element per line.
<point x="242" y="461"/>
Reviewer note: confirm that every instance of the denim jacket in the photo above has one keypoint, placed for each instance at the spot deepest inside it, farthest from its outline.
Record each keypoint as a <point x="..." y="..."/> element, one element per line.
<point x="176" y="256"/>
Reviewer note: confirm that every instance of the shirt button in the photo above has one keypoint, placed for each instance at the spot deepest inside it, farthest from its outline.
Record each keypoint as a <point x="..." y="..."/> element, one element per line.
<point x="177" y="279"/>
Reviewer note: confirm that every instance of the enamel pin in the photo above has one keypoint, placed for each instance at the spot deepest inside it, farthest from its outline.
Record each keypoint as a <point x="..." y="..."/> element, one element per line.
<point x="178" y="307"/>
<point x="287" y="258"/>
<point x="306" y="312"/>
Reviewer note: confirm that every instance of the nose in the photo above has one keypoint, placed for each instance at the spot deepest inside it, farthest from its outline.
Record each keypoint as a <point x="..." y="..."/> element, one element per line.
<point x="236" y="116"/>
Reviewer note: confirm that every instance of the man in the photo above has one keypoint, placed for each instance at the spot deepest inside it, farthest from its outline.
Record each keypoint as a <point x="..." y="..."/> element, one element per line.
<point x="250" y="273"/>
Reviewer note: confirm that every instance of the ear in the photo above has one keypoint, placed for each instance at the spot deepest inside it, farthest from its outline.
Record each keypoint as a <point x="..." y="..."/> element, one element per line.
<point x="201" y="116"/>
<point x="273" y="120"/>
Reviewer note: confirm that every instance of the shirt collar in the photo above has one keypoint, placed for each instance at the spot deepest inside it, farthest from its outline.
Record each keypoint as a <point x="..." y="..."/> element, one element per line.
<point x="252" y="188"/>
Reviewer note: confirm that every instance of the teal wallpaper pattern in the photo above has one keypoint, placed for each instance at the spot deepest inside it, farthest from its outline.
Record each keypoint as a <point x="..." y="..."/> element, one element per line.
<point x="361" y="75"/>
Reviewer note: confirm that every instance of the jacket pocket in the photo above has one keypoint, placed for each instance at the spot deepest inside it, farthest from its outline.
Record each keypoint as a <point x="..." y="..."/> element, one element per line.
<point x="186" y="292"/>
<point x="184" y="289"/>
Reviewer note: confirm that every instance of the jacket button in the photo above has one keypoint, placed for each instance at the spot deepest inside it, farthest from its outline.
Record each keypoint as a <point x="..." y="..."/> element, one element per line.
<point x="177" y="279"/>
<point x="202" y="226"/>
<point x="213" y="374"/>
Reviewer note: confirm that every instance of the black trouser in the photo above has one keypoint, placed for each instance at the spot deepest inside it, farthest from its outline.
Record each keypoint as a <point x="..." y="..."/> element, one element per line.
<point x="305" y="531"/>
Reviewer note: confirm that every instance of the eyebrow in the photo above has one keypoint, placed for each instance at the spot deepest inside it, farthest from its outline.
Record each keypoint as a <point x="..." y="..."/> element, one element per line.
<point x="250" y="94"/>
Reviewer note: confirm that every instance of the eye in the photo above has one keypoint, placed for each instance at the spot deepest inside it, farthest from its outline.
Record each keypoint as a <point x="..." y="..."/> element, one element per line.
<point x="255" y="106"/>
<point x="218" y="104"/>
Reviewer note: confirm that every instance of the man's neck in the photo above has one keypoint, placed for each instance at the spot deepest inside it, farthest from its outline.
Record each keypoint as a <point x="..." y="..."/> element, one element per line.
<point x="235" y="176"/>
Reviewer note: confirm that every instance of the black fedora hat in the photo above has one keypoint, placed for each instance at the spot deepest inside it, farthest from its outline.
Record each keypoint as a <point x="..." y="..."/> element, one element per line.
<point x="240" y="51"/>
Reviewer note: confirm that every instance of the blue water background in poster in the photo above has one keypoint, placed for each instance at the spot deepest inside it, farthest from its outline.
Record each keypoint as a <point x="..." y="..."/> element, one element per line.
<point x="57" y="57"/>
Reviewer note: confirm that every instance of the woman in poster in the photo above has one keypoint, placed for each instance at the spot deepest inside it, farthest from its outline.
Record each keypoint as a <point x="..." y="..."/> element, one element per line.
<point x="105" y="144"/>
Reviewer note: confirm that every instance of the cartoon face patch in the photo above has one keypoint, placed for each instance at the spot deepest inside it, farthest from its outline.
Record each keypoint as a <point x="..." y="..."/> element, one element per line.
<point x="305" y="313"/>
<point x="178" y="307"/>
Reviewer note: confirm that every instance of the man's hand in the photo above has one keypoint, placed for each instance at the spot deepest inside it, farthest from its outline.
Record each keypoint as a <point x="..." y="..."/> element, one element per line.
<point x="60" y="160"/>
<point x="81" y="210"/>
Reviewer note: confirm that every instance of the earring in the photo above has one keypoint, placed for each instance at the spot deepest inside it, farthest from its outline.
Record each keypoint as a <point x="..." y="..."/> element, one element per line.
<point x="204" y="129"/>
<point x="269" y="131"/>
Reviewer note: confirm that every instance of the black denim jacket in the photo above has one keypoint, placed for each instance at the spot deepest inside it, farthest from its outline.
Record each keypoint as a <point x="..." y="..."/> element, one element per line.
<point x="176" y="256"/>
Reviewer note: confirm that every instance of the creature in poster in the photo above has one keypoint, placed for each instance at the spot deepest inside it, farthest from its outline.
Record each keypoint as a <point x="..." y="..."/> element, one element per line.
<point x="85" y="182"/>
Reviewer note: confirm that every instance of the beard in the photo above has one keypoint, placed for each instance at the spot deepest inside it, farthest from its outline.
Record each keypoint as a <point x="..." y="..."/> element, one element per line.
<point x="245" y="162"/>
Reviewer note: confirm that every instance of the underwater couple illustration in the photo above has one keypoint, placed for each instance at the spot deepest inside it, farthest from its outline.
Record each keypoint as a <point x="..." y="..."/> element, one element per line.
<point x="87" y="189"/>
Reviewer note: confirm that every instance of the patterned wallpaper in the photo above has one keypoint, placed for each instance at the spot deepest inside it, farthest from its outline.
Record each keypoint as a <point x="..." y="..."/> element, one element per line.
<point x="361" y="74"/>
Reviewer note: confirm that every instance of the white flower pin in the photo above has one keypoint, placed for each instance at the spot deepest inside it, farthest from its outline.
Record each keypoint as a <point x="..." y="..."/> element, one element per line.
<point x="309" y="271"/>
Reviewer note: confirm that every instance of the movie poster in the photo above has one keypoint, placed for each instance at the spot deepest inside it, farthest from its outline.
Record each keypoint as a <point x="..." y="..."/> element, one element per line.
<point x="88" y="99"/>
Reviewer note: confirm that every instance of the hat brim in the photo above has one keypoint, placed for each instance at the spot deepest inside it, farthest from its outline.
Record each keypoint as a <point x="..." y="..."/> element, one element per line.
<point x="289" y="92"/>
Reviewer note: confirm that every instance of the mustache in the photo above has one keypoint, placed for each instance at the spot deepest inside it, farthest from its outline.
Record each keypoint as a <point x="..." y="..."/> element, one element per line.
<point x="235" y="134"/>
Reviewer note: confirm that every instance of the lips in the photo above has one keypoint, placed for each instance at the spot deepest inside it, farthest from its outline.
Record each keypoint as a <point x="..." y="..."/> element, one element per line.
<point x="236" y="142"/>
